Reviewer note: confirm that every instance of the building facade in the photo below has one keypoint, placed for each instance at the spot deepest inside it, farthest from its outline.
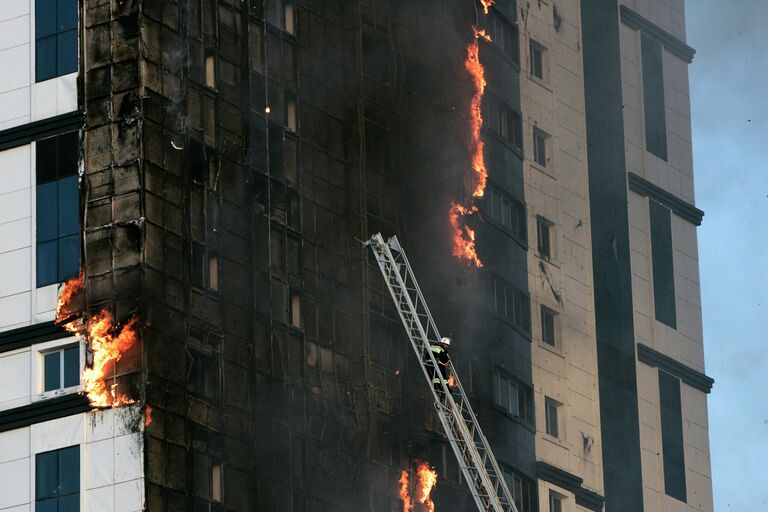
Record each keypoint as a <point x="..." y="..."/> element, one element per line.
<point x="211" y="167"/>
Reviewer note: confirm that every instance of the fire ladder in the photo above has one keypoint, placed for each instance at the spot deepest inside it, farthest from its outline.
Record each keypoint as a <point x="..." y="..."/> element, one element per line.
<point x="470" y="446"/>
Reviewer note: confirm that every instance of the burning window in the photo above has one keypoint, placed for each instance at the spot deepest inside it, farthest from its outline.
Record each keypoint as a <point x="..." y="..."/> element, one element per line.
<point x="548" y="326"/>
<point x="203" y="374"/>
<point x="521" y="488"/>
<point x="61" y="368"/>
<point x="512" y="396"/>
<point x="58" y="209"/>
<point x="208" y="475"/>
<point x="55" y="38"/>
<point x="551" y="409"/>
<point x="57" y="479"/>
<point x="507" y="212"/>
<point x="503" y="34"/>
<point x="540" y="147"/>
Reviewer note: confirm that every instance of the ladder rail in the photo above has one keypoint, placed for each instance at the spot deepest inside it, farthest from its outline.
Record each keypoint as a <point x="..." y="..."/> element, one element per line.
<point x="469" y="444"/>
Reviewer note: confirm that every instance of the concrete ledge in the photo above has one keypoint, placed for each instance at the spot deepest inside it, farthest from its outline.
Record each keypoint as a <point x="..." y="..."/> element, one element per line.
<point x="572" y="483"/>
<point x="26" y="133"/>
<point x="44" y="410"/>
<point x="673" y="45"/>
<point x="685" y="373"/>
<point x="681" y="208"/>
<point x="29" y="335"/>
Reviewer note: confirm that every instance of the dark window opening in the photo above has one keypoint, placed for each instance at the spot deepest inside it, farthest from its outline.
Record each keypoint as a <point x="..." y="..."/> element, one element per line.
<point x="653" y="97"/>
<point x="538" y="53"/>
<point x="555" y="502"/>
<point x="55" y="38"/>
<point x="503" y="34"/>
<point x="551" y="411"/>
<point x="512" y="396"/>
<point x="511" y="127"/>
<point x="58" y="209"/>
<point x="540" y="147"/>
<point x="57" y="480"/>
<point x="672" y="436"/>
<point x="544" y="231"/>
<point x="548" y="331"/>
<point x="511" y="304"/>
<point x="208" y="476"/>
<point x="663" y="266"/>
<point x="203" y="374"/>
<point x="521" y="488"/>
<point x="61" y="368"/>
<point x="507" y="212"/>
<point x="205" y="267"/>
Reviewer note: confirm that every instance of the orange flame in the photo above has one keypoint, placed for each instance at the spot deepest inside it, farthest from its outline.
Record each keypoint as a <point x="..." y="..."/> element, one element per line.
<point x="451" y="381"/>
<point x="68" y="290"/>
<point x="463" y="235"/>
<point x="426" y="478"/>
<point x="477" y="73"/>
<point x="147" y="415"/>
<point x="487" y="5"/>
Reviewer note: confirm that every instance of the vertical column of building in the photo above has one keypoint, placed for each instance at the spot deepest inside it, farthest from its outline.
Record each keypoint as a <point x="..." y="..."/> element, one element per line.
<point x="671" y="384"/>
<point x="568" y="444"/>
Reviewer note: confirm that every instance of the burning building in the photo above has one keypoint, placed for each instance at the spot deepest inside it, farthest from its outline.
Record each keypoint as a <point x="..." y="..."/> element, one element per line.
<point x="190" y="322"/>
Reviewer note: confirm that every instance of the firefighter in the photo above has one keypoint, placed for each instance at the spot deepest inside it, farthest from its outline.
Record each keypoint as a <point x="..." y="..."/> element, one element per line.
<point x="442" y="372"/>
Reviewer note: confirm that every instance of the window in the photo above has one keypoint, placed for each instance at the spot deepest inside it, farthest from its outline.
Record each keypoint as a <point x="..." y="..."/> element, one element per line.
<point x="540" y="147"/>
<point x="521" y="489"/>
<point x="210" y="70"/>
<point x="205" y="267"/>
<point x="538" y="63"/>
<point x="57" y="480"/>
<point x="663" y="267"/>
<point x="203" y="376"/>
<point x="295" y="312"/>
<point x="544" y="232"/>
<point x="503" y="35"/>
<point x="653" y="97"/>
<point x="511" y="304"/>
<point x="289" y="17"/>
<point x="550" y="411"/>
<point x="672" y="436"/>
<point x="290" y="115"/>
<point x="512" y="396"/>
<point x="208" y="477"/>
<point x="555" y="502"/>
<point x="511" y="126"/>
<point x="58" y="209"/>
<point x="282" y="13"/>
<point x="61" y="368"/>
<point x="548" y="333"/>
<point x="507" y="212"/>
<point x="55" y="38"/>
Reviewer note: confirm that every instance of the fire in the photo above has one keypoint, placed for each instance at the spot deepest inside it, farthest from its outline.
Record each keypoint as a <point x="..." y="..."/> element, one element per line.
<point x="418" y="491"/>
<point x="106" y="341"/>
<point x="463" y="235"/>
<point x="451" y="381"/>
<point x="147" y="415"/>
<point x="487" y="5"/>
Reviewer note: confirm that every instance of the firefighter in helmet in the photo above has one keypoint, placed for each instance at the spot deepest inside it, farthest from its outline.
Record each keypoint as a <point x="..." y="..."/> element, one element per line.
<point x="442" y="372"/>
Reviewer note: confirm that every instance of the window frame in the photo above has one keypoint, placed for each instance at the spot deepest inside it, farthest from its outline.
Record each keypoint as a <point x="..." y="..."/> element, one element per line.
<point x="552" y="423"/>
<point x="519" y="396"/>
<point x="556" y="498"/>
<point x="519" y="481"/>
<point x="536" y="47"/>
<point x="540" y="149"/>
<point x="511" y="304"/>
<point x="517" y="213"/>
<point x="494" y="23"/>
<point x="545" y="250"/>
<point x="40" y="466"/>
<point x="545" y="311"/>
<point x="57" y="37"/>
<point x="38" y="352"/>
<point x="194" y="350"/>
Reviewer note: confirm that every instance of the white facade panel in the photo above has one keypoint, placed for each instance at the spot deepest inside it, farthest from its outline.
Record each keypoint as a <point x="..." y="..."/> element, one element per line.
<point x="14" y="32"/>
<point x="16" y="488"/>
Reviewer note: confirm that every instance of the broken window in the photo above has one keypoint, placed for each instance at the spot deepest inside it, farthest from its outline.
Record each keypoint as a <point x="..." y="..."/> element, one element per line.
<point x="551" y="408"/>
<point x="55" y="38"/>
<point x="205" y="267"/>
<point x="521" y="488"/>
<point x="544" y="232"/>
<point x="57" y="480"/>
<point x="208" y="475"/>
<point x="61" y="368"/>
<point x="540" y="147"/>
<point x="507" y="212"/>
<point x="58" y="209"/>
<point x="203" y="374"/>
<point x="548" y="332"/>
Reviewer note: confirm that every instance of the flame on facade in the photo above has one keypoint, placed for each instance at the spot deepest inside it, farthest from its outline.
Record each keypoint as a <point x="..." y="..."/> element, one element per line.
<point x="147" y="415"/>
<point x="416" y="485"/>
<point x="463" y="235"/>
<point x="487" y="5"/>
<point x="106" y="341"/>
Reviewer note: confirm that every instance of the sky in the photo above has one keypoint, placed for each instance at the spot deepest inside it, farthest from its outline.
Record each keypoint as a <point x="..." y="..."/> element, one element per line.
<point x="729" y="109"/>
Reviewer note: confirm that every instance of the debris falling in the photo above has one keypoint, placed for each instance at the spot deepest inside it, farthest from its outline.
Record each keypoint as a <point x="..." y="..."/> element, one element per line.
<point x="416" y="484"/>
<point x="463" y="235"/>
<point x="106" y="341"/>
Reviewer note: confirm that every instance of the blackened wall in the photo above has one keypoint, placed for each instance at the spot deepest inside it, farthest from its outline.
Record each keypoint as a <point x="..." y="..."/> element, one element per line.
<point x="610" y="257"/>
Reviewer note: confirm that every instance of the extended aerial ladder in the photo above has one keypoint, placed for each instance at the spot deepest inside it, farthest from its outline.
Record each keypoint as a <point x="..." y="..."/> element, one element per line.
<point x="478" y="465"/>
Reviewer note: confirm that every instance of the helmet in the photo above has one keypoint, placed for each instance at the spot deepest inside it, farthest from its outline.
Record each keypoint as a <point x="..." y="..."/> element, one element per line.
<point x="445" y="340"/>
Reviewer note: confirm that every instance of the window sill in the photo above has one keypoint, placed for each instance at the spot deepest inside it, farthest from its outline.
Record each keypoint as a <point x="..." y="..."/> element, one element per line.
<point x="510" y="60"/>
<point x="55" y="393"/>
<point x="555" y="441"/>
<point x="525" y="424"/>
<point x="547" y="171"/>
<point x="542" y="82"/>
<point x="553" y="349"/>
<point x="547" y="260"/>
<point x="519" y="241"/>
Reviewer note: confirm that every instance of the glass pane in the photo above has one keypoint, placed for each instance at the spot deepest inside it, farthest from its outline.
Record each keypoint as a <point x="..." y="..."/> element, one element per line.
<point x="45" y="58"/>
<point x="46" y="505"/>
<point x="67" y="52"/>
<point x="70" y="503"/>
<point x="71" y="366"/>
<point x="52" y="371"/>
<point x="514" y="406"/>
<point x="503" y="392"/>
<point x="45" y="18"/>
<point x="68" y="148"/>
<point x="46" y="475"/>
<point x="46" y="263"/>
<point x="69" y="206"/>
<point x="66" y="15"/>
<point x="69" y="470"/>
<point x="47" y="222"/>
<point x="45" y="166"/>
<point x="69" y="257"/>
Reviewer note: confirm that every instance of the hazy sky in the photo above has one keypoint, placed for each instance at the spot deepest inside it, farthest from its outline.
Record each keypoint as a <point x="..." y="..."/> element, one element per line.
<point x="729" y="102"/>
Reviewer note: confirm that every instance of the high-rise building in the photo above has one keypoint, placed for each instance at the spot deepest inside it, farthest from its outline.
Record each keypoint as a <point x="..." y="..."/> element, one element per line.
<point x="202" y="174"/>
